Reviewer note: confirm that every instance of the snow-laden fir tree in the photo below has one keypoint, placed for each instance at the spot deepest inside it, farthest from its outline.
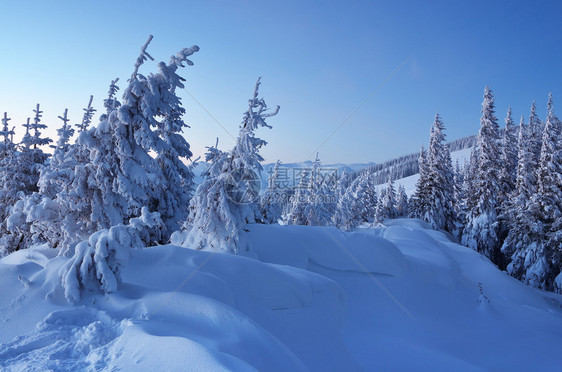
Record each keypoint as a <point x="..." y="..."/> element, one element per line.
<point x="508" y="173"/>
<point x="122" y="175"/>
<point x="7" y="164"/>
<point x="215" y="214"/>
<point x="358" y="203"/>
<point x="342" y="213"/>
<point x="88" y="114"/>
<point x="170" y="146"/>
<point x="42" y="215"/>
<point x="481" y="231"/>
<point x="73" y="201"/>
<point x="111" y="103"/>
<point x="546" y="204"/>
<point x="401" y="202"/>
<point x="439" y="185"/>
<point x="367" y="198"/>
<point x="19" y="179"/>
<point x="37" y="217"/>
<point x="535" y="236"/>
<point x="55" y="174"/>
<point x="322" y="204"/>
<point x="535" y="133"/>
<point x="115" y="173"/>
<point x="343" y="217"/>
<point x="386" y="206"/>
<point x="296" y="212"/>
<point x="271" y="205"/>
<point x="7" y="145"/>
<point x="459" y="198"/>
<point x="516" y="213"/>
<point x="380" y="211"/>
<point x="419" y="203"/>
<point x="469" y="181"/>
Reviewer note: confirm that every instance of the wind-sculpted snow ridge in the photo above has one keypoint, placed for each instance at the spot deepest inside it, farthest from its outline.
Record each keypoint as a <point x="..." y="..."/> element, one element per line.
<point x="396" y="297"/>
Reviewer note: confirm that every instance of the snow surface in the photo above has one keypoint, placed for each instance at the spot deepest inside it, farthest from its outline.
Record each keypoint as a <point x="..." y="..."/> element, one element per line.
<point x="398" y="297"/>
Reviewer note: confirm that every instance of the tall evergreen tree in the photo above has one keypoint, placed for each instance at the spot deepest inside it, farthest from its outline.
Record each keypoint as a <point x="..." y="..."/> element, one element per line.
<point x="516" y="214"/>
<point x="7" y="145"/>
<point x="88" y="115"/>
<point x="542" y="258"/>
<point x="440" y="213"/>
<point x="419" y="204"/>
<point x="322" y="204"/>
<point x="509" y="159"/>
<point x="215" y="213"/>
<point x="481" y="231"/>
<point x="401" y="202"/>
<point x="271" y="205"/>
<point x="296" y="213"/>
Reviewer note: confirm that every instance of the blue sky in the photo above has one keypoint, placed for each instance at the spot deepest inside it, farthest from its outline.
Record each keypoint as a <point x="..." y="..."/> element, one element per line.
<point x="318" y="60"/>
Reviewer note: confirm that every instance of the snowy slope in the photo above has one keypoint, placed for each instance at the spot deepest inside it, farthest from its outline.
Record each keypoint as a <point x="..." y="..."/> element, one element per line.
<point x="399" y="297"/>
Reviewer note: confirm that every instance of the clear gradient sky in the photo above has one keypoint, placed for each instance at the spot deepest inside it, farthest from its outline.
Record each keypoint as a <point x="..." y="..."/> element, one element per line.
<point x="318" y="60"/>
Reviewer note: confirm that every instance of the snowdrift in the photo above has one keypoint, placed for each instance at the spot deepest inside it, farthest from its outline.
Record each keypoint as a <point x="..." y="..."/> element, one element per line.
<point x="399" y="297"/>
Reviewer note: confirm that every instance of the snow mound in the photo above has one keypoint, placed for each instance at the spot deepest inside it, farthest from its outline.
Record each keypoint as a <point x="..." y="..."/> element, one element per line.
<point x="300" y="246"/>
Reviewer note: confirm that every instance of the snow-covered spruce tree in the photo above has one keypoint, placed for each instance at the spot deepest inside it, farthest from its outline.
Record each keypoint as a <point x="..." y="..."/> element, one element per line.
<point x="37" y="217"/>
<point x="271" y="205"/>
<point x="367" y="198"/>
<point x="73" y="199"/>
<point x="7" y="145"/>
<point x="535" y="133"/>
<point x="356" y="202"/>
<point x="343" y="217"/>
<point x="440" y="189"/>
<point x="296" y="213"/>
<point x="20" y="180"/>
<point x="380" y="210"/>
<point x="540" y="259"/>
<point x="516" y="213"/>
<point x="513" y="191"/>
<point x="322" y="204"/>
<point x="508" y="173"/>
<point x="469" y="181"/>
<point x="7" y="164"/>
<point x="419" y="203"/>
<point x="215" y="214"/>
<point x="55" y="174"/>
<point x="170" y="146"/>
<point x="121" y="175"/>
<point x="89" y="114"/>
<point x="386" y="207"/>
<point x="481" y="231"/>
<point x="459" y="199"/>
<point x="401" y="202"/>
<point x="111" y="103"/>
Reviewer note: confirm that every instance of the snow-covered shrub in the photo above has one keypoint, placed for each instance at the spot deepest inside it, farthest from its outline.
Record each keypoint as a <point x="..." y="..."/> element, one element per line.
<point x="97" y="262"/>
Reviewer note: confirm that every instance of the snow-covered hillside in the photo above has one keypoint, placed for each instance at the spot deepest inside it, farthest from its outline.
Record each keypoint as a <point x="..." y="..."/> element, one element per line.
<point x="399" y="297"/>
<point x="409" y="183"/>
